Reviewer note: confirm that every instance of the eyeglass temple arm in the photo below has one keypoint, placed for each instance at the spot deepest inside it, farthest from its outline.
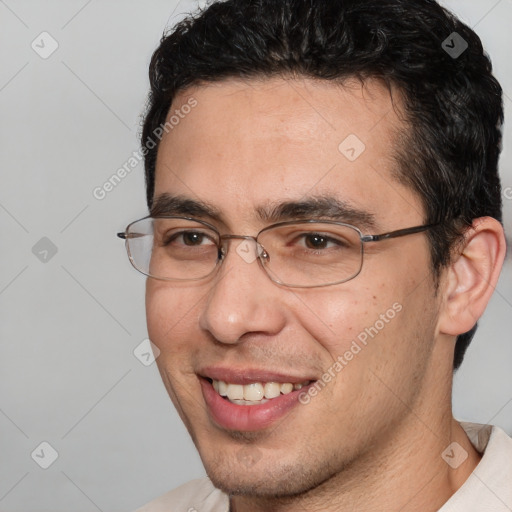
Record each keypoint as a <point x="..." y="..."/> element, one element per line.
<point x="397" y="233"/>
<point x="124" y="235"/>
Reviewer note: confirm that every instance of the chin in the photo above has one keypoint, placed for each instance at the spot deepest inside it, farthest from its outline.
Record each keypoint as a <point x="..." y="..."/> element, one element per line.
<point x="266" y="480"/>
<point x="257" y="485"/>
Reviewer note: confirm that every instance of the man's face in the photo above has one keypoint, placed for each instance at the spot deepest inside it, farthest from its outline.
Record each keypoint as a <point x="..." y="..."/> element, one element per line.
<point x="248" y="147"/>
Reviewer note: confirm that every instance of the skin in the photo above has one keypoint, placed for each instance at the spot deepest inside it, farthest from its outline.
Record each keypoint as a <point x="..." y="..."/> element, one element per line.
<point x="372" y="438"/>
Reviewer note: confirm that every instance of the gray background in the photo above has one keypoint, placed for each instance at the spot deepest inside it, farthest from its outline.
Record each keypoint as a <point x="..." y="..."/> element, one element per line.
<point x="70" y="323"/>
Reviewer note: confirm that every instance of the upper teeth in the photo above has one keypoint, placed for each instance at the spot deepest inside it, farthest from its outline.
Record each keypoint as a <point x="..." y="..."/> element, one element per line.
<point x="255" y="392"/>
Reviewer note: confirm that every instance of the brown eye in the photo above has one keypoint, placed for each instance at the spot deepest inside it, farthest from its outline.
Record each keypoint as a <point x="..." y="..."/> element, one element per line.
<point x="189" y="238"/>
<point x="316" y="241"/>
<point x="192" y="238"/>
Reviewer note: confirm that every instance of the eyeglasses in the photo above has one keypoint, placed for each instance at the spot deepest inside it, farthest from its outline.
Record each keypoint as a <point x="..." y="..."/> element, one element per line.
<point x="298" y="254"/>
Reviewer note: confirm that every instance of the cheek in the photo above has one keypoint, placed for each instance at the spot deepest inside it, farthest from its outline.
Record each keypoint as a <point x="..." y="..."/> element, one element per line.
<point x="335" y="317"/>
<point x="172" y="315"/>
<point x="368" y="326"/>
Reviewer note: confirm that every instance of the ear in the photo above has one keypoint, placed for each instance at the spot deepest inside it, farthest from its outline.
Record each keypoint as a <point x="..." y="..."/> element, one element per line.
<point x="472" y="276"/>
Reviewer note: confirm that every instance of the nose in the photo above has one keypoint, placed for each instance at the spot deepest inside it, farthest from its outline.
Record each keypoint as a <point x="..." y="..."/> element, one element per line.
<point x="242" y="299"/>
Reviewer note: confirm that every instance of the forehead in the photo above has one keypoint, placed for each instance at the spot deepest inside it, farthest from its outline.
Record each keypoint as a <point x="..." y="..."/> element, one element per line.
<point x="247" y="144"/>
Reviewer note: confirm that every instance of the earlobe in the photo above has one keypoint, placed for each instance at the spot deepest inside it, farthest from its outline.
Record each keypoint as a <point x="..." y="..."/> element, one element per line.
<point x="472" y="276"/>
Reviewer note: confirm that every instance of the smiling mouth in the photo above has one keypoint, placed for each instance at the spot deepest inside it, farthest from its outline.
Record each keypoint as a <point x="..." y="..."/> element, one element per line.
<point x="255" y="393"/>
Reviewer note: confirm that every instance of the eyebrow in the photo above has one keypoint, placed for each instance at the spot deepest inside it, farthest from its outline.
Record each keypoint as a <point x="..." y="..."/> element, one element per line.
<point x="166" y="204"/>
<point x="325" y="207"/>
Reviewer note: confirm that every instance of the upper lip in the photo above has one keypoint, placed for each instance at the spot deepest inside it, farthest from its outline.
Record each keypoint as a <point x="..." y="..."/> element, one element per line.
<point x="249" y="375"/>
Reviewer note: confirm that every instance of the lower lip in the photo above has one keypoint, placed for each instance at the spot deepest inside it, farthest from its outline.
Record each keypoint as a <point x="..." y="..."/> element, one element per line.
<point x="247" y="418"/>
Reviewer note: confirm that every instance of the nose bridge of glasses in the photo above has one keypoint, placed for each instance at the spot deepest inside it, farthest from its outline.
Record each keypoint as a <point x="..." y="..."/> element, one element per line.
<point x="249" y="248"/>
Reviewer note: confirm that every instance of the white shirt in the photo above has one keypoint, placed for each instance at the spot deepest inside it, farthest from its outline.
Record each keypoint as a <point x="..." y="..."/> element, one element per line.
<point x="488" y="488"/>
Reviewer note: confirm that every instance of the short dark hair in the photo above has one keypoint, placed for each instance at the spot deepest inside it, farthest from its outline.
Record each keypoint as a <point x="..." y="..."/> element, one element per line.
<point x="453" y="104"/>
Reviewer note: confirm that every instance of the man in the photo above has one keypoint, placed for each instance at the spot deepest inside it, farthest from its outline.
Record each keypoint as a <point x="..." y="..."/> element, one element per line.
<point x="324" y="234"/>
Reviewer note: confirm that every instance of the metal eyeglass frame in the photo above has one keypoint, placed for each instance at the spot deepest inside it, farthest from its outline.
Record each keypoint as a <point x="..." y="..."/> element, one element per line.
<point x="263" y="255"/>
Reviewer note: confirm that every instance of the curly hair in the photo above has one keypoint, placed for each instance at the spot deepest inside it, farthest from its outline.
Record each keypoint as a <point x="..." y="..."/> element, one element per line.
<point x="453" y="104"/>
